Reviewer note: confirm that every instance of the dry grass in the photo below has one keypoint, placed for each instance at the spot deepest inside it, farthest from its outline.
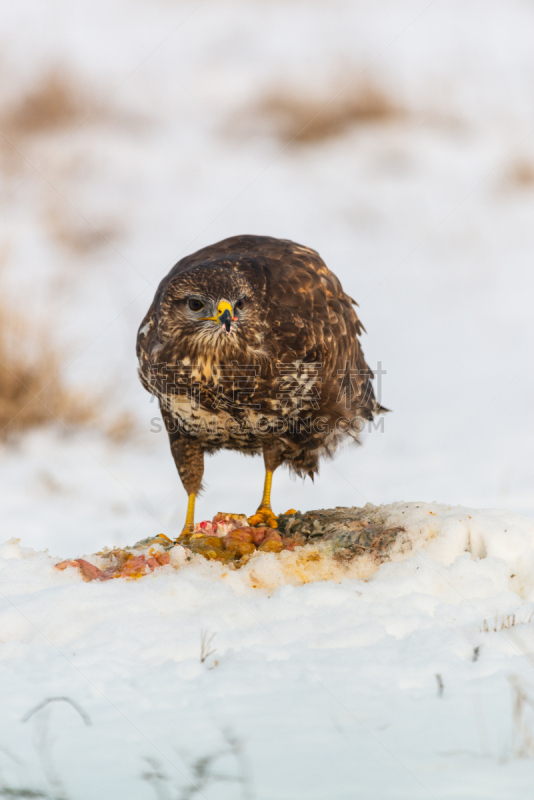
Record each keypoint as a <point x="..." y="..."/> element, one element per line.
<point x="120" y="428"/>
<point x="206" y="650"/>
<point x="56" y="101"/>
<point x="504" y="623"/>
<point x="206" y="773"/>
<point x="296" y="118"/>
<point x="520" y="175"/>
<point x="33" y="392"/>
<point x="30" y="393"/>
<point x="59" y="101"/>
<point x="54" y="106"/>
<point x="12" y="162"/>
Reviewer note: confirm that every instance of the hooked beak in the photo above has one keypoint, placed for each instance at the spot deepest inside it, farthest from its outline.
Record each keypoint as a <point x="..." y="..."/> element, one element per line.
<point x="224" y="315"/>
<point x="225" y="319"/>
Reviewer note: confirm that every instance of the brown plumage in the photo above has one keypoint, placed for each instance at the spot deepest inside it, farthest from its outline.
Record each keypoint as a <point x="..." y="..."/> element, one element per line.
<point x="252" y="345"/>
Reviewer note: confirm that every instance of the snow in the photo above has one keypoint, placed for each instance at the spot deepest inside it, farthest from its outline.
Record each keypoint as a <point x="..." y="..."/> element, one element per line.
<point x="329" y="685"/>
<point x="328" y="675"/>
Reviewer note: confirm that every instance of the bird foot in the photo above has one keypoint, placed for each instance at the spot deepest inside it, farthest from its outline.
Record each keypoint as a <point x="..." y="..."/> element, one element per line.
<point x="263" y="517"/>
<point x="186" y="531"/>
<point x="163" y="539"/>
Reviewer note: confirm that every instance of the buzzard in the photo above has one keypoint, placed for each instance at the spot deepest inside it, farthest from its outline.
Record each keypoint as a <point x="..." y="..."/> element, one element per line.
<point x="251" y="344"/>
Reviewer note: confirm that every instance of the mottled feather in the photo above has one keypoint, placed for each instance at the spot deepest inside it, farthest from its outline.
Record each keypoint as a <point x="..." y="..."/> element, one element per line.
<point x="297" y="332"/>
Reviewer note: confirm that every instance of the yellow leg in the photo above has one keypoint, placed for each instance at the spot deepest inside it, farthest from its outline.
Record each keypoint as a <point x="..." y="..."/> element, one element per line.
<point x="264" y="515"/>
<point x="266" y="498"/>
<point x="190" y="516"/>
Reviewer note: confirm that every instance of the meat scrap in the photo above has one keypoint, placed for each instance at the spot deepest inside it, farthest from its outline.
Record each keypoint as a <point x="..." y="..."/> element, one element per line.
<point x="89" y="571"/>
<point x="237" y="541"/>
<point x="127" y="566"/>
<point x="227" y="538"/>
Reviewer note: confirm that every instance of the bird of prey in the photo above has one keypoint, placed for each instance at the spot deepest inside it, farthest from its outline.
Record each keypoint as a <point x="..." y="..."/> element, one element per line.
<point x="251" y="344"/>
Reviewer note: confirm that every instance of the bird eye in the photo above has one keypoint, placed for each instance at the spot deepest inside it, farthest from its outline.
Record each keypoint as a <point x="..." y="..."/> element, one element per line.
<point x="240" y="305"/>
<point x="195" y="305"/>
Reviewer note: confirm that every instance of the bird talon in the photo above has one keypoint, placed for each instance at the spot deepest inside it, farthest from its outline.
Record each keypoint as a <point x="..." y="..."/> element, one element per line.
<point x="185" y="534"/>
<point x="263" y="516"/>
<point x="165" y="538"/>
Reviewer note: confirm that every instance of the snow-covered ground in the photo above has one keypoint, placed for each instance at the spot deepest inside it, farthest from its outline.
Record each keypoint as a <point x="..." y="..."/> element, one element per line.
<point x="428" y="221"/>
<point x="411" y="684"/>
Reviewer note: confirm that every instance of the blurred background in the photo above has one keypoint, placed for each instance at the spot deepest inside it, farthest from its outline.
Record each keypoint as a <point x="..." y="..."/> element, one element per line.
<point x="396" y="138"/>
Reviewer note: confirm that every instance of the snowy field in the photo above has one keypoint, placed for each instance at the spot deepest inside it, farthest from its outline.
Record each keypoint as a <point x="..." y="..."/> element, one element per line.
<point x="412" y="684"/>
<point x="426" y="215"/>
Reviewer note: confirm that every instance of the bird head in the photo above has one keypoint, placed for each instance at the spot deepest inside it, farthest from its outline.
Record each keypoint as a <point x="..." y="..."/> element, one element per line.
<point x="208" y="308"/>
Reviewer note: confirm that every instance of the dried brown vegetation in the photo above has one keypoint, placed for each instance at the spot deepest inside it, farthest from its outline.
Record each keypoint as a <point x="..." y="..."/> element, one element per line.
<point x="56" y="104"/>
<point x="521" y="175"/>
<point x="306" y="119"/>
<point x="33" y="391"/>
<point x="508" y="621"/>
<point x="56" y="101"/>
